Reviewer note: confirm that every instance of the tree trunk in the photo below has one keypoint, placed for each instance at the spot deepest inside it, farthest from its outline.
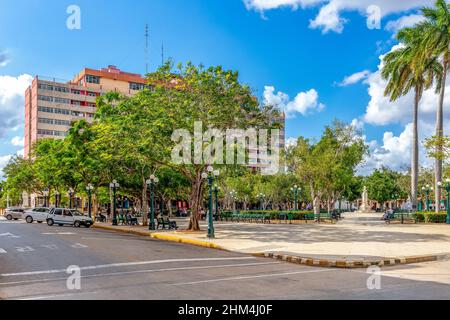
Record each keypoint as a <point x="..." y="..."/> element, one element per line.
<point x="195" y="203"/>
<point x="169" y="206"/>
<point x="440" y="134"/>
<point x="415" y="153"/>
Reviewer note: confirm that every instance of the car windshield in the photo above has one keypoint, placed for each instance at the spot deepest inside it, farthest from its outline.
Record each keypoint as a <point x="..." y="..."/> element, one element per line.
<point x="76" y="213"/>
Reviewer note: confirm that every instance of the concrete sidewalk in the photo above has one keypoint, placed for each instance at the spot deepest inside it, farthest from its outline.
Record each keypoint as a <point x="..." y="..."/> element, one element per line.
<point x="358" y="240"/>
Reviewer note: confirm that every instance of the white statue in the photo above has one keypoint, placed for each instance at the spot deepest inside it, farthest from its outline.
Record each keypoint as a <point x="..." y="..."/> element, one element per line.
<point x="365" y="207"/>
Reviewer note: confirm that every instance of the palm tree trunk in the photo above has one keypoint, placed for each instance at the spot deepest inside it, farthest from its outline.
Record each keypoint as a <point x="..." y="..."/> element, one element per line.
<point x="415" y="152"/>
<point x="440" y="134"/>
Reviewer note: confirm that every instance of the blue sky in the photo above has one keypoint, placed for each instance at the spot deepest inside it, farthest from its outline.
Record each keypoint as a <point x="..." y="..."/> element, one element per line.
<point x="270" y="42"/>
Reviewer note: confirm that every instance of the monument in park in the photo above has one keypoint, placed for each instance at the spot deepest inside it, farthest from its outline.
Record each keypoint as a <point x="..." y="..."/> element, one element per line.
<point x="365" y="207"/>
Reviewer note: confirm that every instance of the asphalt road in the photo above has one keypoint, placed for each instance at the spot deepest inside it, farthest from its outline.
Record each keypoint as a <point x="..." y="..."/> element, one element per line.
<point x="34" y="260"/>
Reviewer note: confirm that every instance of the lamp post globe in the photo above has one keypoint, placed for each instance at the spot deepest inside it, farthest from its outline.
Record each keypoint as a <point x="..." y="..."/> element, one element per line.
<point x="114" y="185"/>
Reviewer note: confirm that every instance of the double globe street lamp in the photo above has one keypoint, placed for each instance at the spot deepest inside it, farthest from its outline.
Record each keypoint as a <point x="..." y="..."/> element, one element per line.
<point x="216" y="193"/>
<point x="89" y="189"/>
<point x="114" y="186"/>
<point x="296" y="190"/>
<point x="427" y="189"/>
<point x="45" y="192"/>
<point x="446" y="187"/>
<point x="261" y="198"/>
<point x="71" y="193"/>
<point x="152" y="183"/>
<point x="210" y="175"/>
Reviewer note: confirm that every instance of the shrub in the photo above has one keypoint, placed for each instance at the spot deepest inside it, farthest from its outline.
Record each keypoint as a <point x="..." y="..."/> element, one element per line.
<point x="431" y="217"/>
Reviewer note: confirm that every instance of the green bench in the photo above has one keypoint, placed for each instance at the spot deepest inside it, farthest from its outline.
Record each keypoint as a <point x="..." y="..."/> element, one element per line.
<point x="164" y="222"/>
<point x="402" y="218"/>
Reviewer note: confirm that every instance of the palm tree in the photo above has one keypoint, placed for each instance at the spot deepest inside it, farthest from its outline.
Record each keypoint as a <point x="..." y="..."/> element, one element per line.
<point x="437" y="40"/>
<point x="409" y="68"/>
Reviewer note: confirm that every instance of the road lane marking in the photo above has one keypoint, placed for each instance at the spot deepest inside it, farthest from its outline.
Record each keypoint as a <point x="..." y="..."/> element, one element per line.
<point x="59" y="233"/>
<point x="50" y="246"/>
<point x="24" y="249"/>
<point x="143" y="271"/>
<point x="9" y="235"/>
<point x="124" y="264"/>
<point x="251" y="277"/>
<point x="54" y="296"/>
<point x="78" y="246"/>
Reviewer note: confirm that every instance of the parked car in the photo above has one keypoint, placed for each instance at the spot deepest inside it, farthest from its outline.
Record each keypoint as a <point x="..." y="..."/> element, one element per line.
<point x="13" y="213"/>
<point x="36" y="214"/>
<point x="62" y="216"/>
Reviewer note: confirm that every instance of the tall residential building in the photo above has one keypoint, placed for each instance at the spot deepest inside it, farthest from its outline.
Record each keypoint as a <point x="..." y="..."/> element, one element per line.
<point x="51" y="106"/>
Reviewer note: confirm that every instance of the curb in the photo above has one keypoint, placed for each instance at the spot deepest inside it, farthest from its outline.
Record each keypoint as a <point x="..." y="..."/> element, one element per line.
<point x="353" y="264"/>
<point x="165" y="237"/>
<point x="312" y="262"/>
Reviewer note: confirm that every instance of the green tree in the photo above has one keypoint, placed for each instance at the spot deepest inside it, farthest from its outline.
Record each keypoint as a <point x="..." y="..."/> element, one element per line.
<point x="382" y="186"/>
<point x="411" y="67"/>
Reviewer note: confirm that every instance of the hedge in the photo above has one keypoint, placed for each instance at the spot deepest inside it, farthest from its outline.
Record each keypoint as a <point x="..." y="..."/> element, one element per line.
<point x="273" y="214"/>
<point x="431" y="217"/>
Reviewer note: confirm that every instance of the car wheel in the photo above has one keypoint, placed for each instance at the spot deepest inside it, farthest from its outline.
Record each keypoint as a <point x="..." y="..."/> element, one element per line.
<point x="50" y="222"/>
<point x="29" y="219"/>
<point x="9" y="217"/>
<point x="77" y="224"/>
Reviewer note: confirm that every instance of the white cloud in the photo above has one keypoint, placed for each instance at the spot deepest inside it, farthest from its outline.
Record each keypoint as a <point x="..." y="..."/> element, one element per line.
<point x="354" y="78"/>
<point x="304" y="103"/>
<point x="4" y="58"/>
<point x="381" y="111"/>
<point x="403" y="22"/>
<point x="18" y="141"/>
<point x="12" y="102"/>
<point x="330" y="13"/>
<point x="291" y="142"/>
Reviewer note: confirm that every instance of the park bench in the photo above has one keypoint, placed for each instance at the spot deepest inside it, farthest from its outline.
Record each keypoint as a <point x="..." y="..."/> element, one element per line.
<point x="164" y="222"/>
<point x="401" y="217"/>
<point x="122" y="219"/>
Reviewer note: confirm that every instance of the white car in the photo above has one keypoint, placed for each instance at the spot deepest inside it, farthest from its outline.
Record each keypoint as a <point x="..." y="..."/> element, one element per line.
<point x="36" y="214"/>
<point x="62" y="216"/>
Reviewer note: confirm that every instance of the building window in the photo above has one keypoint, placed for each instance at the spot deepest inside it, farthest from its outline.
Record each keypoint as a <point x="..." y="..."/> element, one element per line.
<point x="91" y="94"/>
<point x="44" y="86"/>
<point x="61" y="100"/>
<point x="45" y="98"/>
<point x="76" y="91"/>
<point x="92" y="79"/>
<point x="54" y="110"/>
<point x="62" y="89"/>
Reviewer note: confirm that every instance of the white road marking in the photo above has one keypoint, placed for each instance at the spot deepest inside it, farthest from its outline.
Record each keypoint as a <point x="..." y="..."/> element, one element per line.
<point x="9" y="235"/>
<point x="143" y="271"/>
<point x="124" y="264"/>
<point x="24" y="249"/>
<point x="59" y="233"/>
<point x="55" y="296"/>
<point x="50" y="246"/>
<point x="78" y="246"/>
<point x="252" y="277"/>
<point x="3" y="250"/>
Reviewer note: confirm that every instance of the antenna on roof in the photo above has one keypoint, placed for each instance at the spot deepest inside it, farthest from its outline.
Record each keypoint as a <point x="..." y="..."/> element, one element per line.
<point x="146" y="48"/>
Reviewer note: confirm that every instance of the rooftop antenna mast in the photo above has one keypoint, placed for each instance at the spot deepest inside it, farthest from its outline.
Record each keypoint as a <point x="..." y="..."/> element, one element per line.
<point x="146" y="48"/>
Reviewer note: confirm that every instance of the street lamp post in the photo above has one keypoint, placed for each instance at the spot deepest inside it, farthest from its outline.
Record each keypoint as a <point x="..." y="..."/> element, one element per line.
<point x="114" y="185"/>
<point x="45" y="193"/>
<point x="233" y="196"/>
<point x="56" y="199"/>
<point x="216" y="193"/>
<point x="295" y="190"/>
<point x="447" y="188"/>
<point x="71" y="192"/>
<point x="151" y="183"/>
<point x="261" y="198"/>
<point x="210" y="175"/>
<point x="427" y="189"/>
<point x="89" y="189"/>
